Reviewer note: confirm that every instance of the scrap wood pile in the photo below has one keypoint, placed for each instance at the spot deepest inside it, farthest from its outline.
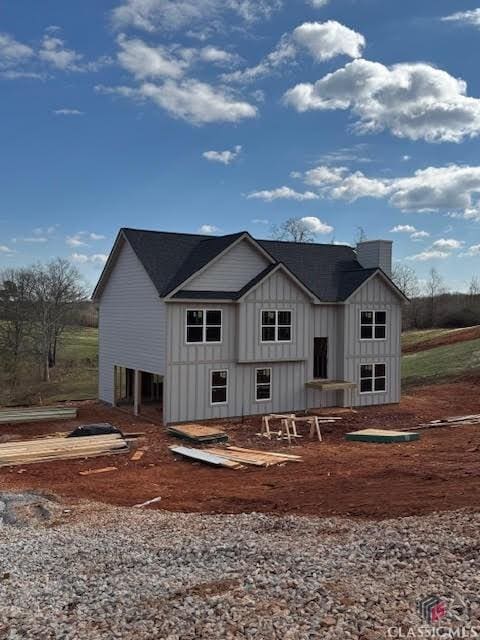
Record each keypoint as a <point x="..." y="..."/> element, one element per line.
<point x="60" y="448"/>
<point x="37" y="414"/>
<point x="199" y="433"/>
<point x="456" y="421"/>
<point x="235" y="457"/>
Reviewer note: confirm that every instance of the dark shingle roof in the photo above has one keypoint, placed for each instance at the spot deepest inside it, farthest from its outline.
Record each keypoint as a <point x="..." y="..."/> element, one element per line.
<point x="331" y="272"/>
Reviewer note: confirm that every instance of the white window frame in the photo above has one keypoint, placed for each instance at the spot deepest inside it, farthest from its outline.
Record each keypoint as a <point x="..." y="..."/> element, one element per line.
<point x="374" y="324"/>
<point x="225" y="386"/>
<point x="204" y="326"/>
<point x="263" y="384"/>
<point x="276" y="326"/>
<point x="373" y="378"/>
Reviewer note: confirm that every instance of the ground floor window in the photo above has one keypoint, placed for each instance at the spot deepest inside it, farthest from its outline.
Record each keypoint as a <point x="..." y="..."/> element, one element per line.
<point x="219" y="387"/>
<point x="373" y="378"/>
<point x="263" y="384"/>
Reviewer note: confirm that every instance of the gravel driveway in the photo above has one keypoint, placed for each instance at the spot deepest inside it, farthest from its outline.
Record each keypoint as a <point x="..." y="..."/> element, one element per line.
<point x="103" y="572"/>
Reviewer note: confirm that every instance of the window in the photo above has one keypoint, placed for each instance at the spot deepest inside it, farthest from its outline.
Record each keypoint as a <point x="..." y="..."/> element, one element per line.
<point x="263" y="384"/>
<point x="373" y="325"/>
<point x="276" y="326"/>
<point x="373" y="378"/>
<point x="219" y="387"/>
<point x="204" y="325"/>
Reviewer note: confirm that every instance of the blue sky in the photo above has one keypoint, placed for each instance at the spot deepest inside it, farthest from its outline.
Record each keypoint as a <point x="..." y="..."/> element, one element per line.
<point x="237" y="114"/>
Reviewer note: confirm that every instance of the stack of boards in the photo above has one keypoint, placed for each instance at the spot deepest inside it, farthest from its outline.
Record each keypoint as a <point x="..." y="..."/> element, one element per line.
<point x="36" y="414"/>
<point x="199" y="433"/>
<point x="235" y="457"/>
<point x="457" y="421"/>
<point x="60" y="448"/>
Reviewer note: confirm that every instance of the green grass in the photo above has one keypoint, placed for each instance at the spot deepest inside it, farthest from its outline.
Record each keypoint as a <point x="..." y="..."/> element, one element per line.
<point x="441" y="363"/>
<point x="410" y="338"/>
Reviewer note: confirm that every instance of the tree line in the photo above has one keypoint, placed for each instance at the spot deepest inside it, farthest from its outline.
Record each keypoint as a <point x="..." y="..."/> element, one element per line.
<point x="36" y="304"/>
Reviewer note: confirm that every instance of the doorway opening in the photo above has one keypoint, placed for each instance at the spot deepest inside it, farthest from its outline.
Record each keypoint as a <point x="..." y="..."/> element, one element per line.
<point x="320" y="358"/>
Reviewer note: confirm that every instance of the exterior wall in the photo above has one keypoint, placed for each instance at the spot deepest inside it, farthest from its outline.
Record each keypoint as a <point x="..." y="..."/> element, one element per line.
<point x="376" y="253"/>
<point x="375" y="295"/>
<point x="232" y="271"/>
<point x="277" y="292"/>
<point x="131" y="323"/>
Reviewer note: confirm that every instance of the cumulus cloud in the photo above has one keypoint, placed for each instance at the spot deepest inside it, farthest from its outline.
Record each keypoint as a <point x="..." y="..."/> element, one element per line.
<point x="472" y="251"/>
<point x="75" y="240"/>
<point x="224" y="157"/>
<point x="5" y="249"/>
<point x="96" y="259"/>
<point x="13" y="52"/>
<point x="403" y="228"/>
<point x="282" y="193"/>
<point x="326" y="40"/>
<point x="172" y="15"/>
<point x="419" y="235"/>
<point x="323" y="40"/>
<point x="431" y="254"/>
<point x="324" y="175"/>
<point x="218" y="56"/>
<point x="315" y="225"/>
<point x="54" y="52"/>
<point x="448" y="244"/>
<point x="143" y="61"/>
<point x="415" y="101"/>
<point x="471" y="17"/>
<point x="208" y="229"/>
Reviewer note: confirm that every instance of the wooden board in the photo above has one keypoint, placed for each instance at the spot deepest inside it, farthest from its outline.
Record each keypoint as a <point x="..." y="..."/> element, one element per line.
<point x="201" y="455"/>
<point x="382" y="436"/>
<point x="198" y="433"/>
<point x="34" y="414"/>
<point x="253" y="457"/>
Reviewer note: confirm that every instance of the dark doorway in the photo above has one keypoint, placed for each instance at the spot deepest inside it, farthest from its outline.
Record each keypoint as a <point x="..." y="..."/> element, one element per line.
<point x="320" y="358"/>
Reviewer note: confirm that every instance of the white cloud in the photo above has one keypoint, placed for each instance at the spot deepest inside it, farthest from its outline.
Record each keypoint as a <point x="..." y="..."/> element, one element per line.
<point x="208" y="229"/>
<point x="415" y="101"/>
<point x="68" y="112"/>
<point x="5" y="249"/>
<point x="13" y="52"/>
<point x="429" y="255"/>
<point x="53" y="52"/>
<point x="75" y="241"/>
<point x="143" y="61"/>
<point x="448" y="244"/>
<point x="172" y="15"/>
<point x="326" y="40"/>
<point x="318" y="4"/>
<point x="323" y="175"/>
<point x="224" y="157"/>
<point x="315" y="225"/>
<point x="283" y="193"/>
<point x="197" y="102"/>
<point x="472" y="251"/>
<point x="284" y="52"/>
<point x="406" y="158"/>
<point x="471" y="17"/>
<point x="96" y="236"/>
<point x="39" y="239"/>
<point x="97" y="259"/>
<point x="357" y="185"/>
<point x="403" y="228"/>
<point x="419" y="235"/>
<point x="218" y="56"/>
<point x="260" y="221"/>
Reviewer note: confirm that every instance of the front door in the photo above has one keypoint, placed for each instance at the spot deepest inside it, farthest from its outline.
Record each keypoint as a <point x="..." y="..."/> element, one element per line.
<point x="320" y="358"/>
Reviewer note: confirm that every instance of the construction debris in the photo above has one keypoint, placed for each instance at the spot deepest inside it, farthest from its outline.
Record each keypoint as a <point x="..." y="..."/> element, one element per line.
<point x="457" y="421"/>
<point x="145" y="504"/>
<point x="253" y="456"/>
<point x="201" y="455"/>
<point x="381" y="436"/>
<point x="31" y="451"/>
<point x="198" y="433"/>
<point x="138" y="455"/>
<point x="37" y="414"/>
<point x="91" y="472"/>
<point x="100" y="429"/>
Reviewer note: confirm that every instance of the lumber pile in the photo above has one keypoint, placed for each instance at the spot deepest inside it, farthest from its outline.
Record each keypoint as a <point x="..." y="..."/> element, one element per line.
<point x="199" y="433"/>
<point x="235" y="457"/>
<point x="47" y="449"/>
<point x="456" y="421"/>
<point x="37" y="414"/>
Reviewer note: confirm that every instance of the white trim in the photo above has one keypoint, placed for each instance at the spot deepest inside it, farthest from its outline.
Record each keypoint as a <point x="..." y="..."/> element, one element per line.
<point x="276" y="326"/>
<point x="373" y="325"/>
<point x="244" y="236"/>
<point x="204" y="326"/>
<point x="225" y="386"/>
<point x="373" y="378"/>
<point x="263" y="384"/>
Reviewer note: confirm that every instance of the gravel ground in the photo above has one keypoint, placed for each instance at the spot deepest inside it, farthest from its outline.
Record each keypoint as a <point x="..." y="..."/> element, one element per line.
<point x="96" y="572"/>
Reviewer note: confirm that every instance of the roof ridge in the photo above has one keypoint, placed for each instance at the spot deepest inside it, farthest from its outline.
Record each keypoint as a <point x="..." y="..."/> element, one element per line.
<point x="308" y="244"/>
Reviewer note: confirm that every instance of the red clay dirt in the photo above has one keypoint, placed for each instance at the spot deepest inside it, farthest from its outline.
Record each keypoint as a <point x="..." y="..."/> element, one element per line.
<point x="441" y="471"/>
<point x="451" y="337"/>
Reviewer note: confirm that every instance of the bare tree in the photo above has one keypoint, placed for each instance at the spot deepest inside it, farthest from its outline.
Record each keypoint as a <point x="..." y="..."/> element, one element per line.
<point x="406" y="279"/>
<point x="360" y="235"/>
<point x="434" y="287"/>
<point x="474" y="288"/>
<point x="293" y="229"/>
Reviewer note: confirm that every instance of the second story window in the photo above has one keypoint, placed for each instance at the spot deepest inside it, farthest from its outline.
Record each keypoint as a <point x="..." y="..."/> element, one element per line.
<point x="276" y="326"/>
<point x="373" y="325"/>
<point x="204" y="325"/>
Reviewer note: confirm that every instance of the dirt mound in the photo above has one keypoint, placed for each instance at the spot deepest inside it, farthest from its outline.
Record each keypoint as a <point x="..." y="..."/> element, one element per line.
<point x="449" y="337"/>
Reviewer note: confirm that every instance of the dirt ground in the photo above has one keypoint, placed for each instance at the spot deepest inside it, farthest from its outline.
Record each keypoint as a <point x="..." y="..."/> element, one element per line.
<point x="451" y="337"/>
<point x="441" y="471"/>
